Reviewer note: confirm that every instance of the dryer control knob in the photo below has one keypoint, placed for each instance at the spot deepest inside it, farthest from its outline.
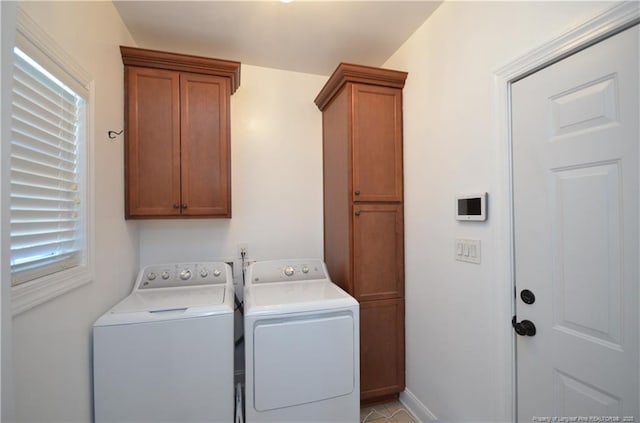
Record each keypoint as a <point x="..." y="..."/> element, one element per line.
<point x="305" y="269"/>
<point x="165" y="275"/>
<point x="204" y="273"/>
<point x="151" y="276"/>
<point x="288" y="271"/>
<point x="185" y="274"/>
<point x="217" y="273"/>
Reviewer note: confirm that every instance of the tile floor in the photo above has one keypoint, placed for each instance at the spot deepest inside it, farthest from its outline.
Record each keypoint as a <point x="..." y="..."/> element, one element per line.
<point x="389" y="412"/>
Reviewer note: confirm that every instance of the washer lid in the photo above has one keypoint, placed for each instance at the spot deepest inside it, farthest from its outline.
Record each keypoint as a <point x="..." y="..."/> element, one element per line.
<point x="169" y="304"/>
<point x="298" y="296"/>
<point x="154" y="300"/>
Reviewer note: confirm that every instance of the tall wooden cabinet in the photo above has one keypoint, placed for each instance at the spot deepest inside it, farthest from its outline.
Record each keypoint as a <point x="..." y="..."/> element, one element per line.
<point x="363" y="213"/>
<point x="177" y="154"/>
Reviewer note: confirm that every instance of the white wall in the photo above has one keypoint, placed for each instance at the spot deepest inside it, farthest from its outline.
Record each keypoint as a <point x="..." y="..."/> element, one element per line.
<point x="276" y="173"/>
<point x="52" y="342"/>
<point x="458" y="335"/>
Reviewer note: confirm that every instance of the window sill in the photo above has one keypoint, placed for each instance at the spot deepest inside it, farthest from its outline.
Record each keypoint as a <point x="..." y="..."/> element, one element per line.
<point x="30" y="294"/>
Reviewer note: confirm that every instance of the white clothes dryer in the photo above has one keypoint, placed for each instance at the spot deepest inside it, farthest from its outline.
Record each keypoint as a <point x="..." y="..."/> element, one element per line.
<point x="165" y="352"/>
<point x="302" y="357"/>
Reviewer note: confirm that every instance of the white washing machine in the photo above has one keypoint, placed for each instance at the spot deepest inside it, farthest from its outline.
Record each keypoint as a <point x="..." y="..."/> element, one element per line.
<point x="165" y="352"/>
<point x="302" y="357"/>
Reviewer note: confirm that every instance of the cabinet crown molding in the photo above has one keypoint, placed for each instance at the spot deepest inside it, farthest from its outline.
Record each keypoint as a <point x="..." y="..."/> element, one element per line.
<point x="133" y="56"/>
<point x="348" y="72"/>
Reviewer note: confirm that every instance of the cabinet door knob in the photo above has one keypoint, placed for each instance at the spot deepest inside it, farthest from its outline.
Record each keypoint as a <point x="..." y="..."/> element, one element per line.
<point x="357" y="192"/>
<point x="357" y="212"/>
<point x="176" y="206"/>
<point x="184" y="205"/>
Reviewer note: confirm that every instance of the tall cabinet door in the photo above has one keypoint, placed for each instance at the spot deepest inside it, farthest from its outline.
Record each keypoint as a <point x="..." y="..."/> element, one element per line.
<point x="206" y="175"/>
<point x="381" y="348"/>
<point x="377" y="143"/>
<point x="378" y="251"/>
<point x="152" y="154"/>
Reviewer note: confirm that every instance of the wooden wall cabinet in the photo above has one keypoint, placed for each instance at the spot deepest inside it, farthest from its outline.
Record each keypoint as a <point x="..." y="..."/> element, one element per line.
<point x="363" y="213"/>
<point x="177" y="140"/>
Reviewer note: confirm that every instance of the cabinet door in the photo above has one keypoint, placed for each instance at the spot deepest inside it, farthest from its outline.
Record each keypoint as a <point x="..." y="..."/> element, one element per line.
<point x="152" y="154"/>
<point x="381" y="348"/>
<point x="206" y="176"/>
<point x="377" y="143"/>
<point x="378" y="251"/>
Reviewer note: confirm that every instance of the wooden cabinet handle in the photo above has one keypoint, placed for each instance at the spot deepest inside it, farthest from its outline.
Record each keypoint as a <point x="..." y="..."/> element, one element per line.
<point x="357" y="212"/>
<point x="176" y="206"/>
<point x="184" y="205"/>
<point x="357" y="192"/>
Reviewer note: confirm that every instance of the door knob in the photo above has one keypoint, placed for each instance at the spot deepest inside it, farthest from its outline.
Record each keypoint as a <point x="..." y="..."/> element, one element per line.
<point x="524" y="328"/>
<point x="527" y="296"/>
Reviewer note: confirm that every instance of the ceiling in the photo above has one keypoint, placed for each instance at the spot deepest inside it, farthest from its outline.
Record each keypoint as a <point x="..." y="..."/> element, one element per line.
<point x="302" y="36"/>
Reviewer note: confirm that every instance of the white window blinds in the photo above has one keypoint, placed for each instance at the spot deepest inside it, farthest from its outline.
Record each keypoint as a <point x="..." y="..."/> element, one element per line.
<point x="46" y="212"/>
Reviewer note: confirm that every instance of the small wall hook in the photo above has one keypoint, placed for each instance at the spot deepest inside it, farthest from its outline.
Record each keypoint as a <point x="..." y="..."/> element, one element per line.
<point x="113" y="134"/>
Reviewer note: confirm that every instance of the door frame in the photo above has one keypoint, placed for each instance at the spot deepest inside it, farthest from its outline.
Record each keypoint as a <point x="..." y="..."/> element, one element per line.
<point x="613" y="20"/>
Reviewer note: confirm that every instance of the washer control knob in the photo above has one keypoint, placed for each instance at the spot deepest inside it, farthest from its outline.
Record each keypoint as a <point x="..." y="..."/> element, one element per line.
<point x="204" y="273"/>
<point x="151" y="276"/>
<point x="305" y="269"/>
<point x="165" y="275"/>
<point x="217" y="273"/>
<point x="185" y="274"/>
<point x="288" y="271"/>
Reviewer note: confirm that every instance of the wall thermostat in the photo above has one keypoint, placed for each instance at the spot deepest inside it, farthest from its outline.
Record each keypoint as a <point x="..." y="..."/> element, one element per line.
<point x="471" y="207"/>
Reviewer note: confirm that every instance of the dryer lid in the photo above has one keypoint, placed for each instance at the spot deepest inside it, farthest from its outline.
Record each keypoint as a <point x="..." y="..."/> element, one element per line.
<point x="288" y="297"/>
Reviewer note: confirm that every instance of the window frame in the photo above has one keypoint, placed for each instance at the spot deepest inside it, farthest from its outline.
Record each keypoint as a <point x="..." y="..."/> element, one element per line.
<point x="37" y="44"/>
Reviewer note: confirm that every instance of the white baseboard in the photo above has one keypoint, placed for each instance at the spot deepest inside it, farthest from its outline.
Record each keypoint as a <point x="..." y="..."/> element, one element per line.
<point x="420" y="412"/>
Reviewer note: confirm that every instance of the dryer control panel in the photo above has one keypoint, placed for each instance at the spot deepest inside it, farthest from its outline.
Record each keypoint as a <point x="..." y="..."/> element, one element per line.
<point x="183" y="274"/>
<point x="287" y="271"/>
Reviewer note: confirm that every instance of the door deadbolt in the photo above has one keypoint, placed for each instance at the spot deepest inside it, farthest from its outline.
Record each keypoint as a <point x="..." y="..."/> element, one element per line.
<point x="527" y="296"/>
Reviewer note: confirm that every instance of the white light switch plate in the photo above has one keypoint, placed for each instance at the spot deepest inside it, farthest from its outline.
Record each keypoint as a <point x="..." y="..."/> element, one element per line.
<point x="468" y="250"/>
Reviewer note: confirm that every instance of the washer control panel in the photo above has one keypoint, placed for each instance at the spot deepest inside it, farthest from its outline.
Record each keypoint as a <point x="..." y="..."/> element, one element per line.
<point x="287" y="270"/>
<point x="183" y="274"/>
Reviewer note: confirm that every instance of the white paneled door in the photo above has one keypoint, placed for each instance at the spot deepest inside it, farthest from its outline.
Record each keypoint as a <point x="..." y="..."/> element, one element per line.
<point x="576" y="230"/>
